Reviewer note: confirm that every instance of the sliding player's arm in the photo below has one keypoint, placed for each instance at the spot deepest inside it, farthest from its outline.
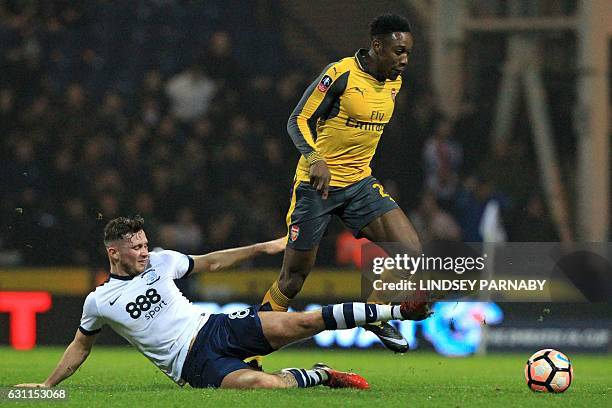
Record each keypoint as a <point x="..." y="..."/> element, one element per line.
<point x="317" y="102"/>
<point x="226" y="258"/>
<point x="76" y="353"/>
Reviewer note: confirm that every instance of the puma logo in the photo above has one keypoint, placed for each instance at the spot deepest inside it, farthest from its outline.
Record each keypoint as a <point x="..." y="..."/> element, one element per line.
<point x="361" y="91"/>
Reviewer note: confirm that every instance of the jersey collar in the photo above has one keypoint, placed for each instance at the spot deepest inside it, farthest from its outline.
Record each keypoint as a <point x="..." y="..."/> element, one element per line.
<point x="360" y="57"/>
<point x="121" y="277"/>
<point x="126" y="278"/>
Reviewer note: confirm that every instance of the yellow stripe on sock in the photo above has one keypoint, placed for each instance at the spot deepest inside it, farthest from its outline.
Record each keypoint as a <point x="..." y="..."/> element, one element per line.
<point x="278" y="301"/>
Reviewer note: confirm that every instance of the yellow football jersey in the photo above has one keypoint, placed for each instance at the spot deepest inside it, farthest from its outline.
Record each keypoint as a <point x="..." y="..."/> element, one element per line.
<point x="341" y="116"/>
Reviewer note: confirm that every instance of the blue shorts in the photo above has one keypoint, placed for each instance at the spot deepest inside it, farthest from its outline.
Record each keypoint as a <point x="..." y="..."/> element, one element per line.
<point x="221" y="345"/>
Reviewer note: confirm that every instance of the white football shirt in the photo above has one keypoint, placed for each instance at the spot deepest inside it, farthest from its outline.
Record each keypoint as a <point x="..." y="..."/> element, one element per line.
<point x="149" y="311"/>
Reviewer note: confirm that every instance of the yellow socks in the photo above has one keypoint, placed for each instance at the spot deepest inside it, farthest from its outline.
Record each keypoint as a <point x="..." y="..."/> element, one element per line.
<point x="274" y="300"/>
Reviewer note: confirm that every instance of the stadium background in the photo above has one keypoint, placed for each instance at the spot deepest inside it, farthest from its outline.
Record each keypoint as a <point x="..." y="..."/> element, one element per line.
<point x="176" y="110"/>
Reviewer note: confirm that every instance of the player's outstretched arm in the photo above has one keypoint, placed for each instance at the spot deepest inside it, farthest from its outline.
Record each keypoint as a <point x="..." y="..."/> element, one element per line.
<point x="226" y="258"/>
<point x="76" y="353"/>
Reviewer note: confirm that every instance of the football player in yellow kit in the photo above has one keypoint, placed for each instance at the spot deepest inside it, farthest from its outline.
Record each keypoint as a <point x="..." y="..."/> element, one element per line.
<point x="336" y="127"/>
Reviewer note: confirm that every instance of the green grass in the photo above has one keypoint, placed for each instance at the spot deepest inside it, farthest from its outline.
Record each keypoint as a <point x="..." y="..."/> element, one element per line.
<point x="122" y="377"/>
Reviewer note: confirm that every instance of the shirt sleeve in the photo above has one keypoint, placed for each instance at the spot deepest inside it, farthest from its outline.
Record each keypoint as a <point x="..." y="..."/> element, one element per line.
<point x="180" y="265"/>
<point x="91" y="321"/>
<point x="317" y="102"/>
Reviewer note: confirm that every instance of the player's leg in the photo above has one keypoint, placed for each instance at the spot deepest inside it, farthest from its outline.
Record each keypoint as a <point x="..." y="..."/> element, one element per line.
<point x="393" y="227"/>
<point x="297" y="264"/>
<point x="249" y="378"/>
<point x="264" y="332"/>
<point x="281" y="329"/>
<point x="319" y="374"/>
<point x="217" y="353"/>
<point x="395" y="233"/>
<point x="296" y="267"/>
<point x="307" y="219"/>
<point x="221" y="369"/>
<point x="363" y="215"/>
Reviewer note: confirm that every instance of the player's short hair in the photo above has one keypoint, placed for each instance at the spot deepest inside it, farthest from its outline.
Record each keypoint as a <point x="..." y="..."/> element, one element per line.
<point x="388" y="23"/>
<point x="122" y="228"/>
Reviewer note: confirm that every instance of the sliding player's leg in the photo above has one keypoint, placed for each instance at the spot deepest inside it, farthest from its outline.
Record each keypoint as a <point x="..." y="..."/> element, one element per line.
<point x="275" y="330"/>
<point x="215" y="358"/>
<point x="319" y="374"/>
<point x="281" y="329"/>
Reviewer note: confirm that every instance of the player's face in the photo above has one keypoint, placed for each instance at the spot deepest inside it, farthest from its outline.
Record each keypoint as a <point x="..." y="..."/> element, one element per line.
<point x="133" y="253"/>
<point x="393" y="52"/>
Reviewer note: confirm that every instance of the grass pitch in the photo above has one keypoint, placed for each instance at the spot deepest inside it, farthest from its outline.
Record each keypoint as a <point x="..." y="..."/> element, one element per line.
<point x="119" y="377"/>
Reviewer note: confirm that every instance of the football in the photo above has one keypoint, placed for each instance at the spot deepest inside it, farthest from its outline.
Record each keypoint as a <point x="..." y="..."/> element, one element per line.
<point x="549" y="370"/>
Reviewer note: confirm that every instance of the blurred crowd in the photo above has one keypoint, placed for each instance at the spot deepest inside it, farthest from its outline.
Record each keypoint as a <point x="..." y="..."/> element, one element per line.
<point x="158" y="108"/>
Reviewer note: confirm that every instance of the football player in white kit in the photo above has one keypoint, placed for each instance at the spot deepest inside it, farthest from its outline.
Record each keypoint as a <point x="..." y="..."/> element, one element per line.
<point x="141" y="303"/>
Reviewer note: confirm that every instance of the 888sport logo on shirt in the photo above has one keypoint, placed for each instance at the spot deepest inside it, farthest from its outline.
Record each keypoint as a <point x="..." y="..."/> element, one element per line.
<point x="149" y="303"/>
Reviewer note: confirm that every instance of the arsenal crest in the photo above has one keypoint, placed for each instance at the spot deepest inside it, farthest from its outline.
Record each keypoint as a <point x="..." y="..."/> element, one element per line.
<point x="294" y="233"/>
<point x="393" y="93"/>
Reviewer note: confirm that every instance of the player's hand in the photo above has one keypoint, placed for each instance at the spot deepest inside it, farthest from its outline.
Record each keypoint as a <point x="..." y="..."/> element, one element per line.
<point x="32" y="385"/>
<point x="275" y="246"/>
<point x="320" y="177"/>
